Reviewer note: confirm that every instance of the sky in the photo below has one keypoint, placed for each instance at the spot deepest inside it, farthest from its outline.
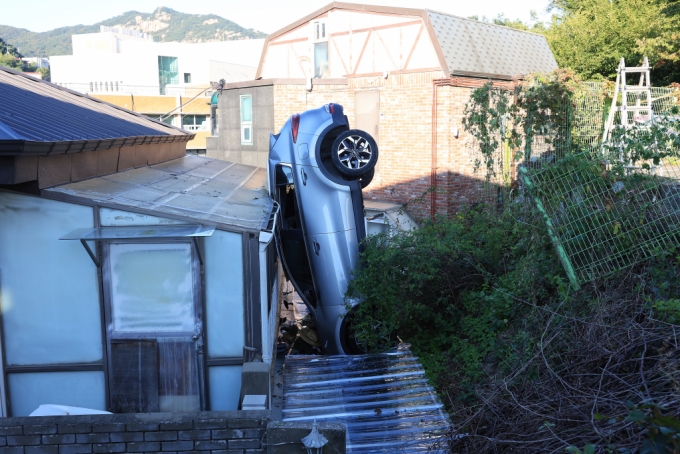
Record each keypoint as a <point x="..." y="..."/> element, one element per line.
<point x="264" y="15"/>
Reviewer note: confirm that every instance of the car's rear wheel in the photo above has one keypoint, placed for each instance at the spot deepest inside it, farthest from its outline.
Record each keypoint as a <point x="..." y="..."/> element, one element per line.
<point x="354" y="153"/>
<point x="349" y="336"/>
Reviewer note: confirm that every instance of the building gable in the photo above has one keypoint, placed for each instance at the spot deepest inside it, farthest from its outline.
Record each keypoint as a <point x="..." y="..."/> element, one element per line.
<point x="362" y="40"/>
<point x="355" y="43"/>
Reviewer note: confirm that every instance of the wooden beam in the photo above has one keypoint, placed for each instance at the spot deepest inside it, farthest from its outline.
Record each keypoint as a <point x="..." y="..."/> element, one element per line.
<point x="290" y="41"/>
<point x="381" y="27"/>
<point x="394" y="65"/>
<point x="415" y="44"/>
<point x="339" y="55"/>
<point x="368" y="37"/>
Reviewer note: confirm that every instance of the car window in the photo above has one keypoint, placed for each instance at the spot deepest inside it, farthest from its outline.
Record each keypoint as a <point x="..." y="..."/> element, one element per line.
<point x="291" y="236"/>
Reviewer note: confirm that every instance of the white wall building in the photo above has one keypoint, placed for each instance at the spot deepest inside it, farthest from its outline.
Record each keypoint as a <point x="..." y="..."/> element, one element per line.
<point x="127" y="61"/>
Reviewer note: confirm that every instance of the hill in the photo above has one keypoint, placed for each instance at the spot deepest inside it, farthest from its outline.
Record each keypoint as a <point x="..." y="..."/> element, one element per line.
<point x="164" y="25"/>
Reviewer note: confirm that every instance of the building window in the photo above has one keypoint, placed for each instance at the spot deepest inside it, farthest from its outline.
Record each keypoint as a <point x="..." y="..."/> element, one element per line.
<point x="168" y="72"/>
<point x="320" y="39"/>
<point x="195" y="122"/>
<point x="167" y="120"/>
<point x="246" y="120"/>
<point x="187" y="78"/>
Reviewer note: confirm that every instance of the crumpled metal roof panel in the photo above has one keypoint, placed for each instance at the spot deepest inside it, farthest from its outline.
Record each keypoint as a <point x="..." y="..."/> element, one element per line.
<point x="471" y="46"/>
<point x="39" y="111"/>
<point x="384" y="399"/>
<point x="199" y="190"/>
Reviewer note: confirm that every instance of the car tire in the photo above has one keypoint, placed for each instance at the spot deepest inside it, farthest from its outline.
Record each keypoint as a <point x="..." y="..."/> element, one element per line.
<point x="366" y="179"/>
<point x="350" y="343"/>
<point x="354" y="153"/>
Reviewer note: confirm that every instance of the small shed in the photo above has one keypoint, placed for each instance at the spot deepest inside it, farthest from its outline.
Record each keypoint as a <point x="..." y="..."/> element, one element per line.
<point x="401" y="74"/>
<point x="133" y="278"/>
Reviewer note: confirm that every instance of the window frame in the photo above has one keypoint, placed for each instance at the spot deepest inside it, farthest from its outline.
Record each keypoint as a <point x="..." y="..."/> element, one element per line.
<point x="108" y="300"/>
<point x="319" y="39"/>
<point x="246" y="124"/>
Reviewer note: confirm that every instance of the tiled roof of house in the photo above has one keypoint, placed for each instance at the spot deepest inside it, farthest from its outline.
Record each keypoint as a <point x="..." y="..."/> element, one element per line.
<point x="37" y="111"/>
<point x="471" y="46"/>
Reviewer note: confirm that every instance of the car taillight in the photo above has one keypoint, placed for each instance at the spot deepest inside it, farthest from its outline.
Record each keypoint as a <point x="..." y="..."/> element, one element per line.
<point x="332" y="108"/>
<point x="294" y="126"/>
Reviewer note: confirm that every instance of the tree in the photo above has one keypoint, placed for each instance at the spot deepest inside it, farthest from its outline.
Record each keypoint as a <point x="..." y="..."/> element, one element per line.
<point x="591" y="36"/>
<point x="10" y="61"/>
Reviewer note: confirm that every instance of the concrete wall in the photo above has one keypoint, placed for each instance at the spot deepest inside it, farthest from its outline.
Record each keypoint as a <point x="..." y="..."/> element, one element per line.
<point x="236" y="432"/>
<point x="228" y="143"/>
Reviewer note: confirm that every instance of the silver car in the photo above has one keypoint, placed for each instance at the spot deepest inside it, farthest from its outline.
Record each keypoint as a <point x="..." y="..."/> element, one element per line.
<point x="317" y="168"/>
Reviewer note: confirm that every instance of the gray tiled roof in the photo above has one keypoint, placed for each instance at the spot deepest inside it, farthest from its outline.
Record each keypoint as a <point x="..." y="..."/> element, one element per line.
<point x="471" y="46"/>
<point x="37" y="111"/>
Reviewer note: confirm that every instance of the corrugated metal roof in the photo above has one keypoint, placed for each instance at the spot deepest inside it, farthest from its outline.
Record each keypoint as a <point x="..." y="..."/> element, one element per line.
<point x="207" y="191"/>
<point x="384" y="399"/>
<point x="476" y="47"/>
<point x="38" y="111"/>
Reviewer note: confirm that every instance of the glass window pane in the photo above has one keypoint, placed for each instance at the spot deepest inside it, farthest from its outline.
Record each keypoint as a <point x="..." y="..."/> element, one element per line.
<point x="168" y="72"/>
<point x="28" y="391"/>
<point x="152" y="288"/>
<point x="246" y="108"/>
<point x="246" y="134"/>
<point x="49" y="290"/>
<point x="321" y="60"/>
<point x="225" y="387"/>
<point x="224" y="294"/>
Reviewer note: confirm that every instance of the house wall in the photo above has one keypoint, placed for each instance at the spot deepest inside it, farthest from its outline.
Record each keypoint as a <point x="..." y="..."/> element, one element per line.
<point x="403" y="173"/>
<point x="51" y="316"/>
<point x="58" y="169"/>
<point x="228" y="145"/>
<point x="359" y="43"/>
<point x="54" y="337"/>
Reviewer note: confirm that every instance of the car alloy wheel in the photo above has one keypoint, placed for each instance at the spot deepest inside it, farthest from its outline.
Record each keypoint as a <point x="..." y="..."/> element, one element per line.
<point x="354" y="153"/>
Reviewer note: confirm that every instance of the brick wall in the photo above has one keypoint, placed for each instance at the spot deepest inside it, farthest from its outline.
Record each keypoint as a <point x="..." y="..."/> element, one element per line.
<point x="232" y="432"/>
<point x="405" y="164"/>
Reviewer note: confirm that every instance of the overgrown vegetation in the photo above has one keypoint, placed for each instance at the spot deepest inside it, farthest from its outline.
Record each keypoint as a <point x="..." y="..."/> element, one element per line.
<point x="523" y="362"/>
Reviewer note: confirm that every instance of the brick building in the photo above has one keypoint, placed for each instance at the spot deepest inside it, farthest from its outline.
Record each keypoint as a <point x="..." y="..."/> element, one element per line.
<point x="404" y="75"/>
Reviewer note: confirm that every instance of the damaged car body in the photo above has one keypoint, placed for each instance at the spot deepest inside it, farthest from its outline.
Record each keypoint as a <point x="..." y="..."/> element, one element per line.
<point x="317" y="168"/>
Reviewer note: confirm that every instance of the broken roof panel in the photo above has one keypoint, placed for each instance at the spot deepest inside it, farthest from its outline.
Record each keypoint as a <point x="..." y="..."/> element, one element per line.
<point x="383" y="398"/>
<point x="199" y="190"/>
<point x="38" y="111"/>
<point x="475" y="47"/>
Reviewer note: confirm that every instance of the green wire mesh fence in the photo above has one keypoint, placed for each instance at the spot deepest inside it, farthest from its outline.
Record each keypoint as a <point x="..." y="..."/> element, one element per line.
<point x="600" y="220"/>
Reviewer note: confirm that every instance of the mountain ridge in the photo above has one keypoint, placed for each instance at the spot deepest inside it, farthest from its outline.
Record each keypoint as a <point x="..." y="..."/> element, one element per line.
<point x="163" y="24"/>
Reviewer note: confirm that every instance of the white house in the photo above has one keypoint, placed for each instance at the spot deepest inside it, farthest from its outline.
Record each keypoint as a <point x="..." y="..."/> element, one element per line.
<point x="127" y="61"/>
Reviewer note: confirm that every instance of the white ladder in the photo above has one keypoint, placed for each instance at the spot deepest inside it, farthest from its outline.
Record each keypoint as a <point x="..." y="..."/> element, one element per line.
<point x="641" y="113"/>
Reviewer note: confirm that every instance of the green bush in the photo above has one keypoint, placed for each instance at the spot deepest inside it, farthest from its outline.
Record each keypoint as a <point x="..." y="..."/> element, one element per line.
<point x="452" y="288"/>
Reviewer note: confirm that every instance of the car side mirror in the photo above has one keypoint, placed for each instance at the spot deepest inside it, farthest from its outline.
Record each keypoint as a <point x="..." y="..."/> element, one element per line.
<point x="284" y="176"/>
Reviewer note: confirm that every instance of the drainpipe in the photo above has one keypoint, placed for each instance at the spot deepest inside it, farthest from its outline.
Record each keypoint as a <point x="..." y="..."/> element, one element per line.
<point x="267" y="317"/>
